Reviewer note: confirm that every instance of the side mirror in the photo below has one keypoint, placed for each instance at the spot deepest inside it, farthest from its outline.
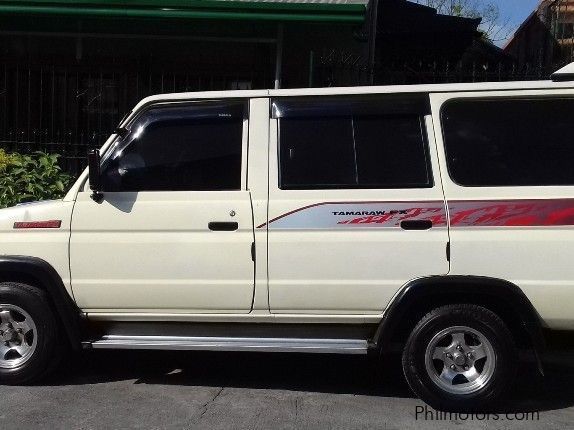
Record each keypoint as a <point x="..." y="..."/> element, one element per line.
<point x="95" y="175"/>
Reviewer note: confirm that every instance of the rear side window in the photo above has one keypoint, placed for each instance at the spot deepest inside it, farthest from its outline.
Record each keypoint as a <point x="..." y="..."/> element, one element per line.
<point x="353" y="143"/>
<point x="179" y="148"/>
<point x="510" y="142"/>
<point x="316" y="152"/>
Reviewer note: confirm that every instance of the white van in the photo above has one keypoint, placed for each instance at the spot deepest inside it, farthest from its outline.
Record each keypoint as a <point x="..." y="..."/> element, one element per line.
<point x="336" y="220"/>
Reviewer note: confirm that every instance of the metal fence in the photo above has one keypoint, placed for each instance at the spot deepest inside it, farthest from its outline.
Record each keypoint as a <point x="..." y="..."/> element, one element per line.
<point x="333" y="73"/>
<point x="67" y="110"/>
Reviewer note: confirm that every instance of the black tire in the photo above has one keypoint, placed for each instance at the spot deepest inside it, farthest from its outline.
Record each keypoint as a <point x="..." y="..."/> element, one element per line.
<point x="48" y="349"/>
<point x="439" y="320"/>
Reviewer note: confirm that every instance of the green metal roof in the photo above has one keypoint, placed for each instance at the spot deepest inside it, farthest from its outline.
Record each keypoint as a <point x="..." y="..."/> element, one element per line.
<point x="343" y="12"/>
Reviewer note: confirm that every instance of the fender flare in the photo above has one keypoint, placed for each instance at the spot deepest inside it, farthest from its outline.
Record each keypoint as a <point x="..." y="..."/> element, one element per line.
<point x="506" y="292"/>
<point x="13" y="267"/>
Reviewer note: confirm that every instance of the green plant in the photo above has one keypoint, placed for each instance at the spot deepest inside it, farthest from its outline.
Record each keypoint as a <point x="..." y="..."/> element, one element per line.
<point x="37" y="176"/>
<point x="5" y="159"/>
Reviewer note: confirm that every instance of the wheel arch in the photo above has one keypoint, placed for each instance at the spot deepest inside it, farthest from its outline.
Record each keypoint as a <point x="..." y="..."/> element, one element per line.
<point x="500" y="296"/>
<point x="41" y="274"/>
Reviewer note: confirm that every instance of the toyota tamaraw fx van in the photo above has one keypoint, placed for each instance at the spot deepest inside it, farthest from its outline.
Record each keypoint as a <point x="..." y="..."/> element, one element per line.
<point x="339" y="220"/>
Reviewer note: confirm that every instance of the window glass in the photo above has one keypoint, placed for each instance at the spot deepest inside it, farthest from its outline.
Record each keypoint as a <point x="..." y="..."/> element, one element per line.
<point x="391" y="152"/>
<point x="316" y="151"/>
<point x="193" y="148"/>
<point x="337" y="145"/>
<point x="504" y="142"/>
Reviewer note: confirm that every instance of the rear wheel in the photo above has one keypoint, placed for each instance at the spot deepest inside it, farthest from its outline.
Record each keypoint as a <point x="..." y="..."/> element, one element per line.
<point x="460" y="357"/>
<point x="29" y="346"/>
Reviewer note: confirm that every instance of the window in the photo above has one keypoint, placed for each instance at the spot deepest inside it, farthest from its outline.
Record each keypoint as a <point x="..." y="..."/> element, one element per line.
<point x="391" y="152"/>
<point x="565" y="30"/>
<point x="316" y="151"/>
<point x="352" y="142"/>
<point x="179" y="148"/>
<point x="510" y="142"/>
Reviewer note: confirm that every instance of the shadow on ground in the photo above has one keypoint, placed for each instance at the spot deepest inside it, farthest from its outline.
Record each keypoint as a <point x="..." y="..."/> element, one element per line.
<point x="300" y="372"/>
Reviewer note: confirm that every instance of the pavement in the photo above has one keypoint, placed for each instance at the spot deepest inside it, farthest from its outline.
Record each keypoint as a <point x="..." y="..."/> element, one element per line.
<point x="188" y="390"/>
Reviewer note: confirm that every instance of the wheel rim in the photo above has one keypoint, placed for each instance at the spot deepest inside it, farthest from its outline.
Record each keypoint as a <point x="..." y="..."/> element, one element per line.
<point x="18" y="336"/>
<point x="460" y="360"/>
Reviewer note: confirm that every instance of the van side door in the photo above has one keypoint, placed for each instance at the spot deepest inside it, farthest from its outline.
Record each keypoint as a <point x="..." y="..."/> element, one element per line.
<point x="174" y="231"/>
<point x="356" y="206"/>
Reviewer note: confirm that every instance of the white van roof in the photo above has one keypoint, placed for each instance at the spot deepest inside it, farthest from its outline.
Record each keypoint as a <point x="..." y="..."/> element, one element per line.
<point x="563" y="78"/>
<point x="566" y="73"/>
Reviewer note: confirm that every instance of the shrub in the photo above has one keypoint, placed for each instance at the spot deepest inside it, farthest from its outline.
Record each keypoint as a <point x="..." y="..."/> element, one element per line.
<point x="37" y="176"/>
<point x="4" y="160"/>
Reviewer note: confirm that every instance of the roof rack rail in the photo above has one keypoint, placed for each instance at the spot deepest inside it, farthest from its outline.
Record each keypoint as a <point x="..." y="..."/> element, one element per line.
<point x="566" y="73"/>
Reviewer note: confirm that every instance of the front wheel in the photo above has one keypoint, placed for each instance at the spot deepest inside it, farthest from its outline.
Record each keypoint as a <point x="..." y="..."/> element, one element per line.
<point x="460" y="358"/>
<point x="29" y="343"/>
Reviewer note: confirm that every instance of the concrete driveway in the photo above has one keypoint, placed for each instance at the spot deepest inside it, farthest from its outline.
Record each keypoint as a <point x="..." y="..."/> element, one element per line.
<point x="120" y="390"/>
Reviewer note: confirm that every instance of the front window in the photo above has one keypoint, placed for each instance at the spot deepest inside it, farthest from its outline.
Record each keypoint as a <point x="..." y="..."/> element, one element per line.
<point x="195" y="147"/>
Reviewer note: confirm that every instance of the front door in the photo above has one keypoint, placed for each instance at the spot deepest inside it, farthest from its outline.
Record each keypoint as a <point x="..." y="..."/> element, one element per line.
<point x="356" y="207"/>
<point x="173" y="233"/>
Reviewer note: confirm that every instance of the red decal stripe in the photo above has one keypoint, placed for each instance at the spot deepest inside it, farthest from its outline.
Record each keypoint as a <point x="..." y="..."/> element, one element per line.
<point x="38" y="224"/>
<point x="393" y="219"/>
<point x="463" y="213"/>
<point x="512" y="213"/>
<point x="334" y="203"/>
<point x="292" y="212"/>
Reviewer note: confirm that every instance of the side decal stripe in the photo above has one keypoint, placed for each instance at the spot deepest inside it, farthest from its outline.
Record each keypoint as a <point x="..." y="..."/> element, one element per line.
<point x="463" y="213"/>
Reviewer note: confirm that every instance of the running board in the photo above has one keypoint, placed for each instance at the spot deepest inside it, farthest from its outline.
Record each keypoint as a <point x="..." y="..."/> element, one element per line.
<point x="325" y="346"/>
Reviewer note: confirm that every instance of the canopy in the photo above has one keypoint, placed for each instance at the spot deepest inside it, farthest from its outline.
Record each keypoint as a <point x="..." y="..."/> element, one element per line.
<point x="342" y="11"/>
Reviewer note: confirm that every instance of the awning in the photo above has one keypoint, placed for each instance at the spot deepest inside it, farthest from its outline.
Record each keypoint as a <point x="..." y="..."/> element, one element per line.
<point x="342" y="11"/>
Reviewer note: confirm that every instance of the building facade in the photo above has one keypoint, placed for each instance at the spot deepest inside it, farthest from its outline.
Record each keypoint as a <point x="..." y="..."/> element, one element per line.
<point x="545" y="39"/>
<point x="70" y="69"/>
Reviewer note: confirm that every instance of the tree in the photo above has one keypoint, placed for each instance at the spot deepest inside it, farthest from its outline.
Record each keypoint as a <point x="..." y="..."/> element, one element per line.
<point x="494" y="26"/>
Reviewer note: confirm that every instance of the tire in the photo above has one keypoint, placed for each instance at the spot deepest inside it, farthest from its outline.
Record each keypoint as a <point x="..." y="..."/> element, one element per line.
<point x="30" y="354"/>
<point x="439" y="369"/>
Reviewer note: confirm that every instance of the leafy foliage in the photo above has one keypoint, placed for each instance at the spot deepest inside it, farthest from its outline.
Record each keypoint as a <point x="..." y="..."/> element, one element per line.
<point x="37" y="176"/>
<point x="5" y="159"/>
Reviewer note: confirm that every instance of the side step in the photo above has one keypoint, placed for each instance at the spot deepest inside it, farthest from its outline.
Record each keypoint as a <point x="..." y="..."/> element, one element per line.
<point x="325" y="346"/>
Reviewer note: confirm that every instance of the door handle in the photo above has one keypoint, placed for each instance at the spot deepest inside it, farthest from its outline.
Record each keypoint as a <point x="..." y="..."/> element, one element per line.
<point x="416" y="225"/>
<point x="223" y="226"/>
